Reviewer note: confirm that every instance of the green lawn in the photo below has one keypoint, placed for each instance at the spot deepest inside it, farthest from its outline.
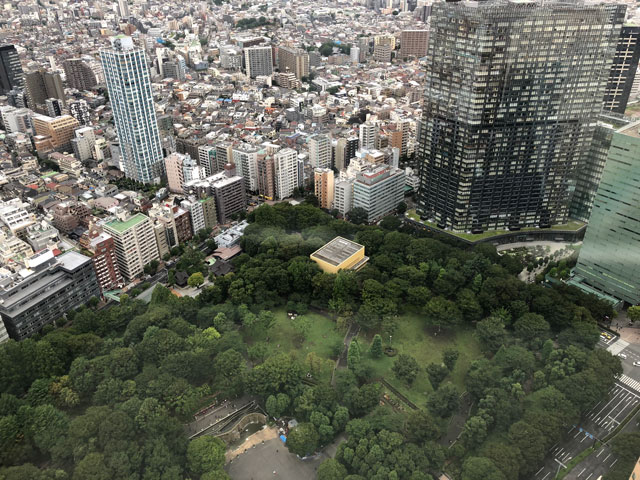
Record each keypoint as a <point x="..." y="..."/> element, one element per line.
<point x="413" y="338"/>
<point x="321" y="338"/>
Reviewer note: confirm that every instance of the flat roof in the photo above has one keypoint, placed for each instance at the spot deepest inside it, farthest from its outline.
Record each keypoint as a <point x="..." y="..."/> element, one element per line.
<point x="337" y="251"/>
<point x="120" y="226"/>
<point x="632" y="130"/>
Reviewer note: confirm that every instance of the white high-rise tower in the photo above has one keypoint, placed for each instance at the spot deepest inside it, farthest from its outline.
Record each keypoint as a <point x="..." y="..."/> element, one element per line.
<point x="127" y="78"/>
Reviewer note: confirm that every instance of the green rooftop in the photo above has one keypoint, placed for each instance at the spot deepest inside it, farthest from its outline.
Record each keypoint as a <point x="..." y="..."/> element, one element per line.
<point x="120" y="226"/>
<point x="571" y="226"/>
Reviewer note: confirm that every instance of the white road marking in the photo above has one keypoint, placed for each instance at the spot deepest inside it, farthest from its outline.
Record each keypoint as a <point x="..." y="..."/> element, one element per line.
<point x="582" y="471"/>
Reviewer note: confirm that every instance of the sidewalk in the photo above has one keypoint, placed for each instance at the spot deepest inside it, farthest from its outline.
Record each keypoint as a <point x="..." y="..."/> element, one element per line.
<point x="620" y="325"/>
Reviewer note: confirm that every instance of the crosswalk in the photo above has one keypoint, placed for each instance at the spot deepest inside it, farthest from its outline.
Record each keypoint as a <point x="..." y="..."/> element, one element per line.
<point x="629" y="382"/>
<point x="617" y="347"/>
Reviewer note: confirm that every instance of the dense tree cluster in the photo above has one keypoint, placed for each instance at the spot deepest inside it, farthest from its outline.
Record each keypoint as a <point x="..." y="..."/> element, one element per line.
<point x="106" y="396"/>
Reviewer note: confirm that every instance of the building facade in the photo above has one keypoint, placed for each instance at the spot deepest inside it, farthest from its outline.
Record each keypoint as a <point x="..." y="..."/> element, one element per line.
<point x="11" y="74"/>
<point x="293" y="60"/>
<point x="414" y="43"/>
<point x="286" y="172"/>
<point x="258" y="61"/>
<point x="319" y="151"/>
<point x="129" y="85"/>
<point x="378" y="189"/>
<point x="511" y="95"/>
<point x="609" y="259"/>
<point x="135" y="243"/>
<point x="625" y="64"/>
<point x="79" y="74"/>
<point x="324" y="187"/>
<point x="48" y="289"/>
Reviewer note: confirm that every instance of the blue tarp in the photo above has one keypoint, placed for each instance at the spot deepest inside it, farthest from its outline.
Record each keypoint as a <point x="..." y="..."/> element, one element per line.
<point x="283" y="438"/>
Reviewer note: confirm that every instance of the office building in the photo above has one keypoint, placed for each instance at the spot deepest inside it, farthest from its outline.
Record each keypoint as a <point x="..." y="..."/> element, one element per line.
<point x="343" y="195"/>
<point x="293" y="60"/>
<point x="286" y="172"/>
<point x="622" y="74"/>
<point x="414" y="43"/>
<point x="41" y="85"/>
<point x="367" y="133"/>
<point x="319" y="151"/>
<point x="589" y="174"/>
<point x="79" y="74"/>
<point x="131" y="97"/>
<point x="44" y="291"/>
<point x="11" y="74"/>
<point x="504" y="133"/>
<point x="56" y="132"/>
<point x="176" y="69"/>
<point x="324" y="187"/>
<point x="379" y="190"/>
<point x="258" y="61"/>
<point x="266" y="177"/>
<point x="609" y="259"/>
<point x="135" y="243"/>
<point x="180" y="170"/>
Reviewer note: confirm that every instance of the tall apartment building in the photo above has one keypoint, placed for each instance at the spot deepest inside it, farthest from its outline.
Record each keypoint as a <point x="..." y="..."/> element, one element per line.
<point x="135" y="242"/>
<point x="196" y="212"/>
<point x="103" y="255"/>
<point x="324" y="187"/>
<point x="367" y="137"/>
<point x="245" y="158"/>
<point x="266" y="177"/>
<point x="209" y="211"/>
<point x="226" y="188"/>
<point x="609" y="259"/>
<point x="207" y="160"/>
<point x="625" y="64"/>
<point x="40" y="86"/>
<point x="44" y="291"/>
<point x="15" y="119"/>
<point x="224" y="155"/>
<point x="414" y="43"/>
<point x="11" y="74"/>
<point x="53" y="107"/>
<point x="343" y="195"/>
<point x="127" y="78"/>
<point x="512" y="92"/>
<point x="378" y="189"/>
<point x="400" y="136"/>
<point x="286" y="172"/>
<point x="84" y="143"/>
<point x="180" y="170"/>
<point x="293" y="60"/>
<point x="258" y="61"/>
<point x="57" y="131"/>
<point x="79" y="74"/>
<point x="319" y="151"/>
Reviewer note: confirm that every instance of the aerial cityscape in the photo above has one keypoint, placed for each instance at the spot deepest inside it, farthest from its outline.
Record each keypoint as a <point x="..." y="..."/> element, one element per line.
<point x="371" y="240"/>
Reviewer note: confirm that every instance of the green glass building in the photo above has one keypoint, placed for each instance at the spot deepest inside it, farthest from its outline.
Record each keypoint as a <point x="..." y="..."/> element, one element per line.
<point x="609" y="261"/>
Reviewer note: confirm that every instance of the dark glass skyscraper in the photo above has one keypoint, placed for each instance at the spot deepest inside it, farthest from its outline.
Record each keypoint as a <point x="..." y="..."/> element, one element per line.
<point x="623" y="70"/>
<point x="11" y="74"/>
<point x="512" y="92"/>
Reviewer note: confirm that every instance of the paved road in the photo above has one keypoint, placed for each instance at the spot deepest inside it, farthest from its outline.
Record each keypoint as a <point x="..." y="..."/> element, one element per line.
<point x="601" y="420"/>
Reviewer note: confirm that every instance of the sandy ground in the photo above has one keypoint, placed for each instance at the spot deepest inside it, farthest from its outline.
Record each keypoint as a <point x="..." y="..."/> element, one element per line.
<point x="260" y="436"/>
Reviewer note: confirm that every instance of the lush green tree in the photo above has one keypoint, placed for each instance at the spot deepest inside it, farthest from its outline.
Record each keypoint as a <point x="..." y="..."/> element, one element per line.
<point x="353" y="354"/>
<point x="303" y="439"/>
<point x="440" y="312"/>
<point x="358" y="215"/>
<point x="633" y="313"/>
<point x="480" y="468"/>
<point x="444" y="401"/>
<point x="437" y="373"/>
<point x="92" y="467"/>
<point x="491" y="333"/>
<point x="205" y="454"/>
<point x="196" y="280"/>
<point x="406" y="368"/>
<point x="474" y="432"/>
<point x="532" y="328"/>
<point x="420" y="426"/>
<point x="376" y="346"/>
<point x="450" y="357"/>
<point x="331" y="469"/>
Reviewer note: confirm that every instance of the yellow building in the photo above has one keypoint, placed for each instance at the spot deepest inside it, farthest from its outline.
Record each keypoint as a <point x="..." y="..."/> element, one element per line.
<point x="635" y="475"/>
<point x="340" y="254"/>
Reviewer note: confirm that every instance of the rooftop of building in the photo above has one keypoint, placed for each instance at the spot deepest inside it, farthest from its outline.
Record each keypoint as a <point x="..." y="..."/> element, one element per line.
<point x="122" y="226"/>
<point x="337" y="251"/>
<point x="631" y="130"/>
